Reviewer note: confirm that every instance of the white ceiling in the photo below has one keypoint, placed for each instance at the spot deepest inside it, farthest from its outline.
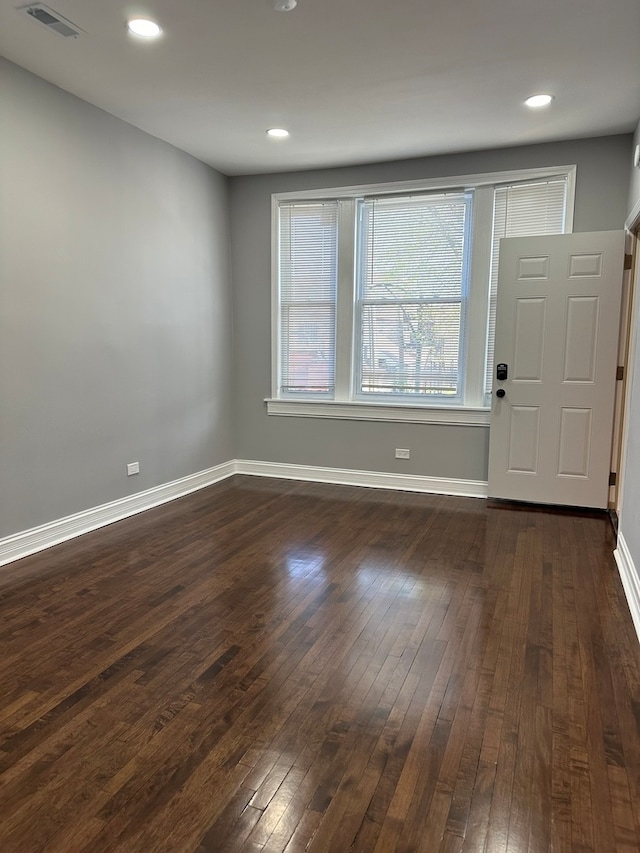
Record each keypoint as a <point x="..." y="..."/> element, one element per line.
<point x="353" y="80"/>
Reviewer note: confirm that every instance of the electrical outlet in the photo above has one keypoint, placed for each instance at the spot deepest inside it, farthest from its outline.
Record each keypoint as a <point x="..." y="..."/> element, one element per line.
<point x="403" y="453"/>
<point x="133" y="468"/>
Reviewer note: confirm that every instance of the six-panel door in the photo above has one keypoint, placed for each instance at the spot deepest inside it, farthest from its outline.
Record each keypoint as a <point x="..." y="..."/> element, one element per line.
<point x="557" y="330"/>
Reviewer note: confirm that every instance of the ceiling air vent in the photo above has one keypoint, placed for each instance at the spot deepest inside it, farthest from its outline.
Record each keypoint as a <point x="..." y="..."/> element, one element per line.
<point x="51" y="20"/>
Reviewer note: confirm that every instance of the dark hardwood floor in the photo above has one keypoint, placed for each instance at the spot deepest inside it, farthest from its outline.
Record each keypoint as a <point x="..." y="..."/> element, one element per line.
<point x="277" y="666"/>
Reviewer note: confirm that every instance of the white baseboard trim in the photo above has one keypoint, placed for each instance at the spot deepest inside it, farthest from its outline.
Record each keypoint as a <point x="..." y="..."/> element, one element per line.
<point x="38" y="538"/>
<point x="369" y="479"/>
<point x="630" y="580"/>
<point x="53" y="533"/>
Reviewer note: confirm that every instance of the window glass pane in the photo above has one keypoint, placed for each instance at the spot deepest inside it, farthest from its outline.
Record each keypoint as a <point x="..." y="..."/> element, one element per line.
<point x="521" y="210"/>
<point x="308" y="287"/>
<point x="411" y="348"/>
<point x="412" y="292"/>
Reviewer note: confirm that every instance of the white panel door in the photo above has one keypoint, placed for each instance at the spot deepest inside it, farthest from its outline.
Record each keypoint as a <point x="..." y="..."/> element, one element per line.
<point x="557" y="326"/>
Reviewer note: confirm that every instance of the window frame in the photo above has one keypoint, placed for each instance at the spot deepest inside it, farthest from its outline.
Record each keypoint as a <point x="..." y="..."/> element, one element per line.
<point x="472" y="410"/>
<point x="360" y="301"/>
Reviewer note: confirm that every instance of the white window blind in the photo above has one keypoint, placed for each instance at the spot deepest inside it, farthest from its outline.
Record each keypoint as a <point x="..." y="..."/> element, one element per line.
<point x="308" y="288"/>
<point x="412" y="279"/>
<point x="521" y="210"/>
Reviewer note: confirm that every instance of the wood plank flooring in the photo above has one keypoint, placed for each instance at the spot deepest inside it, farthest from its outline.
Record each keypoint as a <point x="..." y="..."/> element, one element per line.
<point x="276" y="666"/>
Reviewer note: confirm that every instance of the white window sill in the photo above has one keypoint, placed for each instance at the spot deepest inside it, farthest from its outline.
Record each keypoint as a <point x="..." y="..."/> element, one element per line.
<point x="359" y="411"/>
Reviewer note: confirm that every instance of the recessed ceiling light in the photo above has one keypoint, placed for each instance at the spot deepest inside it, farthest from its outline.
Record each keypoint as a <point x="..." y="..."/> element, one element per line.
<point x="539" y="100"/>
<point x="278" y="132"/>
<point x="144" y="27"/>
<point x="284" y="5"/>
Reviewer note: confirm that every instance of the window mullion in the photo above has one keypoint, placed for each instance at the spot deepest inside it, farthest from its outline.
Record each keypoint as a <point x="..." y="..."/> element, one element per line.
<point x="478" y="296"/>
<point x="344" y="310"/>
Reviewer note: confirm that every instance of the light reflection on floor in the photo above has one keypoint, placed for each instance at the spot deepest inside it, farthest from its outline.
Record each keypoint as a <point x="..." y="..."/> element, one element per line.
<point x="302" y="563"/>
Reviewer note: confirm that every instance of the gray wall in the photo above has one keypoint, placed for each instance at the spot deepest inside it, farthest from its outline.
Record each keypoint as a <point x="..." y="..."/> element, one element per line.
<point x="634" y="182"/>
<point x="630" y="514"/>
<point x="115" y="307"/>
<point x="458" y="452"/>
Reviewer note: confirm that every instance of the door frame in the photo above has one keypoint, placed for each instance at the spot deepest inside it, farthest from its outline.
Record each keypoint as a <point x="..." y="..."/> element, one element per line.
<point x="630" y="343"/>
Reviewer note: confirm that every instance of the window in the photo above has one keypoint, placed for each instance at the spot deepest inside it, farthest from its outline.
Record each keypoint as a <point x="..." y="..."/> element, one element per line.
<point x="521" y="210"/>
<point x="385" y="296"/>
<point x="412" y="280"/>
<point x="308" y="292"/>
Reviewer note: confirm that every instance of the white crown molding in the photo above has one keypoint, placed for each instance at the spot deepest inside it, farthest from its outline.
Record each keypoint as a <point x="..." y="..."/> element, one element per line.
<point x="630" y="580"/>
<point x="38" y="538"/>
<point x="369" y="479"/>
